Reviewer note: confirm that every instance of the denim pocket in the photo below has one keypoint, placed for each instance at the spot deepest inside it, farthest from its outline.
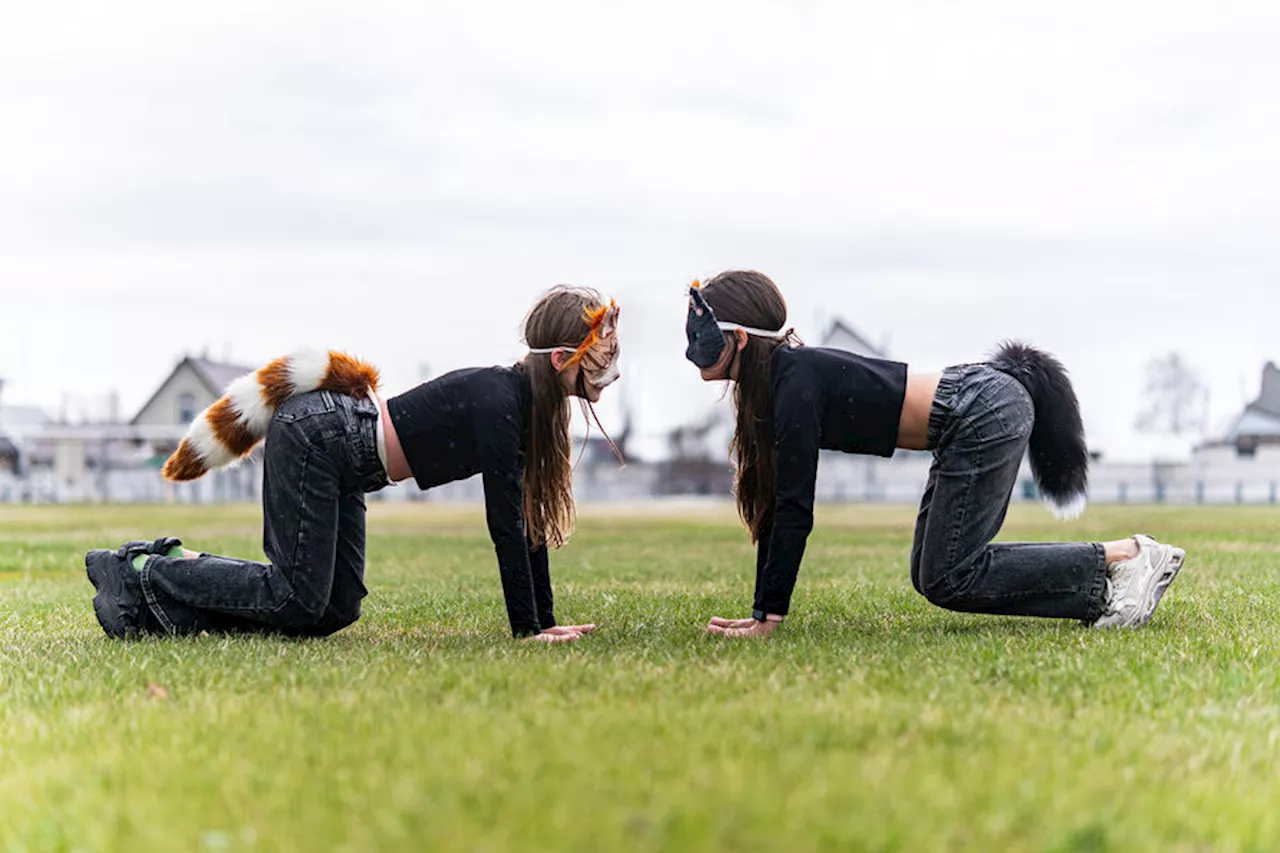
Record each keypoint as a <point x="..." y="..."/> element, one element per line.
<point x="1010" y="406"/>
<point x="974" y="408"/>
<point x="999" y="409"/>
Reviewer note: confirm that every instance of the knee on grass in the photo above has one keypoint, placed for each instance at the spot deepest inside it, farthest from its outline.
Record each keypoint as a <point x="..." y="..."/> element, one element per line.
<point x="305" y="621"/>
<point x="945" y="598"/>
<point x="944" y="586"/>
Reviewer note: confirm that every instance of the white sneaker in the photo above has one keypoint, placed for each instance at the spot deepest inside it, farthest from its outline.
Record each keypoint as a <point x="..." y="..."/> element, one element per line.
<point x="1134" y="587"/>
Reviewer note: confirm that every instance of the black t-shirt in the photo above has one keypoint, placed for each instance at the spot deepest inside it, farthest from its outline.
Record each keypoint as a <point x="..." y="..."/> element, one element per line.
<point x="475" y="421"/>
<point x="823" y="399"/>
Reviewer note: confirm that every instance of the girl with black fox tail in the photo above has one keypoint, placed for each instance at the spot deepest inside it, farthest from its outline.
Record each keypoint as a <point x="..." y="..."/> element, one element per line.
<point x="978" y="420"/>
<point x="330" y="438"/>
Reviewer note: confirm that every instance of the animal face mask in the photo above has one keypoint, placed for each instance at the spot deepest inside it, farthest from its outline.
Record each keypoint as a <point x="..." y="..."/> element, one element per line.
<point x="706" y="338"/>
<point x="600" y="362"/>
<point x="598" y="353"/>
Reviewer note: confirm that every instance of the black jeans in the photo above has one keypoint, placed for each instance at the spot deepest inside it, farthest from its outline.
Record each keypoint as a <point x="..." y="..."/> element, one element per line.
<point x="979" y="428"/>
<point x="320" y="459"/>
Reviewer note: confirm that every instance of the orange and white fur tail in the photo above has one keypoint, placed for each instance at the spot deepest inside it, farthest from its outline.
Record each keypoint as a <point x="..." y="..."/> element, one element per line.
<point x="225" y="432"/>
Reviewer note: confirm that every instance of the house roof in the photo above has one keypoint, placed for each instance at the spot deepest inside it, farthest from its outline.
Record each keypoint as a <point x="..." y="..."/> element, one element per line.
<point x="21" y="416"/>
<point x="841" y="335"/>
<point x="19" y="422"/>
<point x="217" y="375"/>
<point x="1254" y="424"/>
<point x="1261" y="418"/>
<point x="214" y="375"/>
<point x="1268" y="402"/>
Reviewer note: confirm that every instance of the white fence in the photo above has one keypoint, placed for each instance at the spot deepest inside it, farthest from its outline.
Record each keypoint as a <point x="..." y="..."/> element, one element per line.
<point x="1213" y="476"/>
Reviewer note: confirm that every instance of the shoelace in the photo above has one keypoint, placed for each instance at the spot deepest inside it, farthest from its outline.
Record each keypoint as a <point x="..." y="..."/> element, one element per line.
<point x="1117" y="593"/>
<point x="1109" y="596"/>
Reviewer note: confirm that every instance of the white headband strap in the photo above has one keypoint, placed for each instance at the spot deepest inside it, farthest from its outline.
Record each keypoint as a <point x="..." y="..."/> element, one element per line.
<point x="781" y="334"/>
<point x="546" y="350"/>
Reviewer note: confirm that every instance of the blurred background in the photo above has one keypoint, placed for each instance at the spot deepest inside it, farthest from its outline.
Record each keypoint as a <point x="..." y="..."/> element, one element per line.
<point x="187" y="191"/>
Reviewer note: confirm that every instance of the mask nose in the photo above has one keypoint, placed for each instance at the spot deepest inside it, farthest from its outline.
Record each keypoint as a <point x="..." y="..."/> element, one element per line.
<point x="606" y="377"/>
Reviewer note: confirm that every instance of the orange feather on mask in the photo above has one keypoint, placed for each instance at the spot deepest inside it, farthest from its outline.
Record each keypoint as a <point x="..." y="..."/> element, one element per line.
<point x="596" y="319"/>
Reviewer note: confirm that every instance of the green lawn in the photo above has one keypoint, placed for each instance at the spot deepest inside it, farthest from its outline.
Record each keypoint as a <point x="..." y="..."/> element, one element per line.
<point x="872" y="721"/>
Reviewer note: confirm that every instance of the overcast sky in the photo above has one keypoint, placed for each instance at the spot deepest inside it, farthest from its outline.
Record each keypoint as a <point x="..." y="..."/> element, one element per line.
<point x="402" y="179"/>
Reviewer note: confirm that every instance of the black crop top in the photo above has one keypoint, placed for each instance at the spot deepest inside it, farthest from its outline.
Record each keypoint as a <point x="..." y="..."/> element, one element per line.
<point x="475" y="421"/>
<point x="823" y="399"/>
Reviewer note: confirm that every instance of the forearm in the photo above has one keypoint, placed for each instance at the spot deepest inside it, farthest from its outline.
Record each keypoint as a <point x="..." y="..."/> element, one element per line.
<point x="777" y="580"/>
<point x="518" y="588"/>
<point x="544" y="599"/>
<point x="762" y="556"/>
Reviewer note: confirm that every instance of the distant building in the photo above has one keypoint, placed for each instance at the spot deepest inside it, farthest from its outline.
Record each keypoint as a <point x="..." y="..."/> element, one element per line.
<point x="18" y="426"/>
<point x="598" y="475"/>
<point x="51" y="461"/>
<point x="10" y="455"/>
<point x="699" y="457"/>
<point x="1259" y="424"/>
<point x="193" y="386"/>
<point x="9" y="451"/>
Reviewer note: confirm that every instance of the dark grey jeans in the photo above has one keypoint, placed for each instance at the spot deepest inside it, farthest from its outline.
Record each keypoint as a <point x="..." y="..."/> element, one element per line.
<point x="320" y="459"/>
<point x="979" y="428"/>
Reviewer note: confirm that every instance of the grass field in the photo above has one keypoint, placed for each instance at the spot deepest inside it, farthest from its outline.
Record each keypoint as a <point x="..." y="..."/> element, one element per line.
<point x="872" y="721"/>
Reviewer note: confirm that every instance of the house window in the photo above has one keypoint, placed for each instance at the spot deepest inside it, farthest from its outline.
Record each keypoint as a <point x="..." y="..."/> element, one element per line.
<point x="186" y="408"/>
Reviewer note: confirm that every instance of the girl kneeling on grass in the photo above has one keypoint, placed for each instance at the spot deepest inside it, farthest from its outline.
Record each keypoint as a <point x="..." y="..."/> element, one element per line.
<point x="977" y="419"/>
<point x="330" y="439"/>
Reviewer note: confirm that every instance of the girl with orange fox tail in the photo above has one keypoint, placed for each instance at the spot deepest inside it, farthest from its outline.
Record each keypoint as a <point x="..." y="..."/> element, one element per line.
<point x="330" y="439"/>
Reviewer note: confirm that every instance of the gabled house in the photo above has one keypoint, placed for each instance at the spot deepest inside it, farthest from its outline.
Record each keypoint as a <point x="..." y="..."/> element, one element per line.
<point x="193" y="385"/>
<point x="1259" y="424"/>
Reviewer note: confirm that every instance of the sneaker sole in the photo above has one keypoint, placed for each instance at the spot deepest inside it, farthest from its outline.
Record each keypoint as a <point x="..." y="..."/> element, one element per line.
<point x="1176" y="561"/>
<point x="1158" y="583"/>
<point x="106" y="604"/>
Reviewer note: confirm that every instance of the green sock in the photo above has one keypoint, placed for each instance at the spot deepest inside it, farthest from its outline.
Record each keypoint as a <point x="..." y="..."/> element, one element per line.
<point x="141" y="559"/>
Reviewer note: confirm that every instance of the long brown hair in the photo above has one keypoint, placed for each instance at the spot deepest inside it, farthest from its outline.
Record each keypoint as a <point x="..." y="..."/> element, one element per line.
<point x="750" y="298"/>
<point x="557" y="320"/>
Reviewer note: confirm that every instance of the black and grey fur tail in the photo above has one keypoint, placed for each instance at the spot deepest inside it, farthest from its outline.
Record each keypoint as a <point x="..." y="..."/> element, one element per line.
<point x="1059" y="455"/>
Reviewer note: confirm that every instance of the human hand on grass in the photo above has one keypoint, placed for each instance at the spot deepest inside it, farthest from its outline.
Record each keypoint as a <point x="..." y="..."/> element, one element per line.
<point x="741" y="627"/>
<point x="562" y="634"/>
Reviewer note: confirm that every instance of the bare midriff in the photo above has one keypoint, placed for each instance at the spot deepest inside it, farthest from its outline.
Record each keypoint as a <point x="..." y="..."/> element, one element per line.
<point x="913" y="428"/>
<point x="397" y="464"/>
